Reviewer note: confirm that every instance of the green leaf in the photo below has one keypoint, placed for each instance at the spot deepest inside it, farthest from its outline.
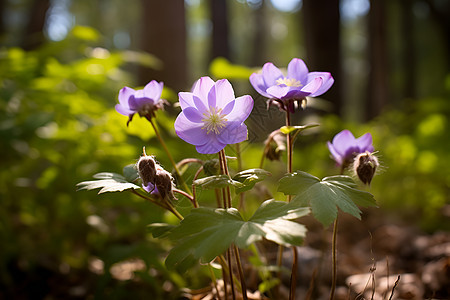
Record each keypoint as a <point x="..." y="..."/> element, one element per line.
<point x="298" y="129"/>
<point x="108" y="182"/>
<point x="325" y="196"/>
<point x="130" y="173"/>
<point x="206" y="233"/>
<point x="248" y="178"/>
<point x="213" y="182"/>
<point x="159" y="229"/>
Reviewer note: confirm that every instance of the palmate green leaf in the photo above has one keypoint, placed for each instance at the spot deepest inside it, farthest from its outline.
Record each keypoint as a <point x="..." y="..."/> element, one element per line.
<point x="206" y="233"/>
<point x="213" y="182"/>
<point x="325" y="196"/>
<point x="108" y="182"/>
<point x="248" y="179"/>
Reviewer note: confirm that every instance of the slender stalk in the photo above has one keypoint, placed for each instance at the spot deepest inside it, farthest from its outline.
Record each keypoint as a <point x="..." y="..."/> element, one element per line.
<point x="334" y="259"/>
<point x="231" y="273"/>
<point x="165" y="204"/>
<point x="213" y="277"/>
<point x="190" y="197"/>
<point x="194" y="194"/>
<point x="241" y="273"/>
<point x="334" y="252"/>
<point x="289" y="149"/>
<point x="293" y="274"/>
<point x="163" y="144"/>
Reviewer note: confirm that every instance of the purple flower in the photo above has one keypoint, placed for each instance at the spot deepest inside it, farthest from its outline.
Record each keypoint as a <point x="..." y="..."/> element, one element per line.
<point x="144" y="102"/>
<point x="285" y="90"/>
<point x="211" y="116"/>
<point x="345" y="147"/>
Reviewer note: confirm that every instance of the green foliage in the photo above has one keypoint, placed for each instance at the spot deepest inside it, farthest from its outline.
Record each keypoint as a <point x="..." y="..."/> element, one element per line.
<point x="242" y="181"/>
<point x="326" y="195"/>
<point x="58" y="126"/>
<point x="206" y="233"/>
<point x="109" y="182"/>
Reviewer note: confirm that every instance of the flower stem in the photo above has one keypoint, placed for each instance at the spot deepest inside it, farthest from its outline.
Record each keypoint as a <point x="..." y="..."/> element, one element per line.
<point x="289" y="149"/>
<point x="334" y="259"/>
<point x="293" y="274"/>
<point x="163" y="144"/>
<point x="231" y="273"/>
<point x="241" y="273"/>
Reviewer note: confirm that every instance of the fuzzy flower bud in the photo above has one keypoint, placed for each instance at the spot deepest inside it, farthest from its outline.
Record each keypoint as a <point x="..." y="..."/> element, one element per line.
<point x="164" y="183"/>
<point x="365" y="166"/>
<point x="146" y="167"/>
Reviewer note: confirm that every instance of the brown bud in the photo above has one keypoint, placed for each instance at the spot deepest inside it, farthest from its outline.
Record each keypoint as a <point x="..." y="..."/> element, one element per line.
<point x="365" y="165"/>
<point x="164" y="183"/>
<point x="146" y="167"/>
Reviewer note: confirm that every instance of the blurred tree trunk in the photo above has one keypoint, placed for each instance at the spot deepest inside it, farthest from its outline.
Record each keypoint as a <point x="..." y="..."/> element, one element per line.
<point x="440" y="12"/>
<point x="322" y="36"/>
<point x="259" y="56"/>
<point x="220" y="41"/>
<point x="2" y="18"/>
<point x="378" y="59"/>
<point x="164" y="35"/>
<point x="34" y="31"/>
<point x="409" y="62"/>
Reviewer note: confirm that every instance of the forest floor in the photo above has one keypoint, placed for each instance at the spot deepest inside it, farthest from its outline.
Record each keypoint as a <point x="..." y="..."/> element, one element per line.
<point x="378" y="258"/>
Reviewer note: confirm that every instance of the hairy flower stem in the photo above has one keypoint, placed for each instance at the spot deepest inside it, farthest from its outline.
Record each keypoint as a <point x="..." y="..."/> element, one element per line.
<point x="163" y="144"/>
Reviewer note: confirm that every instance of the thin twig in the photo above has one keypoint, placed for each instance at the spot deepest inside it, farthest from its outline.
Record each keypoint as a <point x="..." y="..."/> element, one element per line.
<point x="393" y="288"/>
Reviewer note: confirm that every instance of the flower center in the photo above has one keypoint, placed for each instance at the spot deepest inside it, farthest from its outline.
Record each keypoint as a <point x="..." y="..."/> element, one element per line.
<point x="289" y="82"/>
<point x="214" y="120"/>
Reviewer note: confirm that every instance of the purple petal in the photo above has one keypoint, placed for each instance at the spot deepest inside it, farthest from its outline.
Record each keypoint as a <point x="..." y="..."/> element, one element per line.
<point x="186" y="99"/>
<point x="336" y="156"/>
<point x="221" y="94"/>
<point x="365" y="143"/>
<point x="193" y="115"/>
<point x="138" y="103"/>
<point x="125" y="94"/>
<point x="124" y="110"/>
<point x="328" y="81"/>
<point x="297" y="69"/>
<point x="343" y="141"/>
<point x="242" y="108"/>
<point x="271" y="74"/>
<point x="277" y="91"/>
<point x="233" y="134"/>
<point x="258" y="84"/>
<point x="201" y="104"/>
<point x="211" y="146"/>
<point x="153" y="90"/>
<point x="229" y="107"/>
<point x="313" y="86"/>
<point x="296" y="93"/>
<point x="190" y="132"/>
<point x="202" y="87"/>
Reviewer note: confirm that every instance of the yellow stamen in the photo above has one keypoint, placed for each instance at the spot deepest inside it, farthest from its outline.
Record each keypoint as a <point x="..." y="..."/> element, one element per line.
<point x="214" y="120"/>
<point x="289" y="82"/>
